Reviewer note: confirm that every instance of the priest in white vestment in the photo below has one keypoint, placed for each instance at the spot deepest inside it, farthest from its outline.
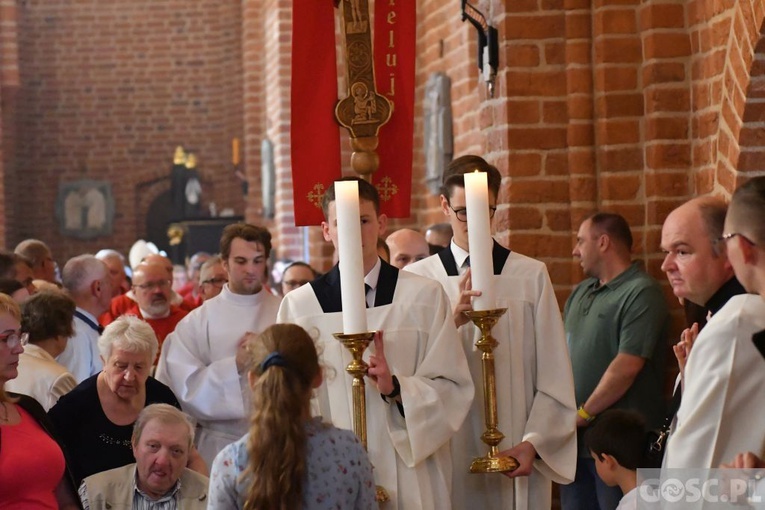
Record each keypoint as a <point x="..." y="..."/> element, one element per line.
<point x="422" y="372"/>
<point x="203" y="359"/>
<point x="722" y="411"/>
<point x="535" y="390"/>
<point x="722" y="414"/>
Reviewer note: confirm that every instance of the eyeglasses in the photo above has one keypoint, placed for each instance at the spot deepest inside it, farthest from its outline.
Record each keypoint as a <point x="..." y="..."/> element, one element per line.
<point x="160" y="284"/>
<point x="725" y="237"/>
<point x="13" y="340"/>
<point x="295" y="283"/>
<point x="461" y="214"/>
<point x="218" y="282"/>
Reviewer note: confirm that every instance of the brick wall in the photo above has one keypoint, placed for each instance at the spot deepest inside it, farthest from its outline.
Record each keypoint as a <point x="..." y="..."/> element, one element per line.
<point x="614" y="104"/>
<point x="9" y="87"/>
<point x="108" y="89"/>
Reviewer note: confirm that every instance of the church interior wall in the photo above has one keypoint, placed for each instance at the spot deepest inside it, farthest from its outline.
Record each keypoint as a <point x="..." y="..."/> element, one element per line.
<point x="622" y="105"/>
<point x="108" y="89"/>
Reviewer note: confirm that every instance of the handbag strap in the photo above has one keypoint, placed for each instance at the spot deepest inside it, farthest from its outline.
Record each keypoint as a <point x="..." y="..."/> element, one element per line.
<point x="674" y="405"/>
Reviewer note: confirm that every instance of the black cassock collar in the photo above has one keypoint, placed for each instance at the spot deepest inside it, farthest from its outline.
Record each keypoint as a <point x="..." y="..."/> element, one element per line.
<point x="499" y="256"/>
<point x="327" y="288"/>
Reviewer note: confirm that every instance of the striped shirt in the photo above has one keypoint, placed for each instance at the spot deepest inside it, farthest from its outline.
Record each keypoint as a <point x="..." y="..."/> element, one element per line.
<point x="141" y="500"/>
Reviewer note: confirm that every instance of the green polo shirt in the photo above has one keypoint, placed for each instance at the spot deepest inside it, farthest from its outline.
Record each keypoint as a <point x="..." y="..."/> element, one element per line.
<point x="626" y="315"/>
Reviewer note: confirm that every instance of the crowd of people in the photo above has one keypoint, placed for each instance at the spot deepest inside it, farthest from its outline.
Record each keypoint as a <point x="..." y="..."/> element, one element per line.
<point x="127" y="385"/>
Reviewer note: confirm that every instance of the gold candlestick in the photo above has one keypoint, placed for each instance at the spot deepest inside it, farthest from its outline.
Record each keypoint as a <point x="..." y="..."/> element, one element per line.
<point x="492" y="462"/>
<point x="357" y="343"/>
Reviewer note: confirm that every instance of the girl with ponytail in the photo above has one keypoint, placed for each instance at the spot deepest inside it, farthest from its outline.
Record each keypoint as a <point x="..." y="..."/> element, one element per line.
<point x="289" y="460"/>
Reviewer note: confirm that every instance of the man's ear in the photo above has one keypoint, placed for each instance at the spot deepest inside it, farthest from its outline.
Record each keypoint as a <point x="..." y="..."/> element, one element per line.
<point x="325" y="231"/>
<point x="95" y="287"/>
<point x="604" y="242"/>
<point x="609" y="461"/>
<point x="382" y="220"/>
<point x="748" y="251"/>
<point x="444" y="204"/>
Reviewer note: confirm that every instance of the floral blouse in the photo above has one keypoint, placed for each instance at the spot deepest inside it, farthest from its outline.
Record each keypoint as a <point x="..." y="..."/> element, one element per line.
<point x="339" y="472"/>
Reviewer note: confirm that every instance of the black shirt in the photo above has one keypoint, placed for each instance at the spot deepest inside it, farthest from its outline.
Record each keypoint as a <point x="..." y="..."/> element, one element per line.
<point x="698" y="313"/>
<point x="93" y="442"/>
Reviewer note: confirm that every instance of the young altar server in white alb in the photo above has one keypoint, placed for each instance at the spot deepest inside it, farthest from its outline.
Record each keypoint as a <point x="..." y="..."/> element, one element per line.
<point x="535" y="388"/>
<point x="418" y="387"/>
<point x="203" y="360"/>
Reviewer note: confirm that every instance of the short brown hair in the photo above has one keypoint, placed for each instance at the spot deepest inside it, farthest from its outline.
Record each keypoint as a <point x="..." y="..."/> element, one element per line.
<point x="748" y="202"/>
<point x="47" y="314"/>
<point x="366" y="192"/>
<point x="455" y="174"/>
<point x="34" y="250"/>
<point x="246" y="231"/>
<point x="614" y="226"/>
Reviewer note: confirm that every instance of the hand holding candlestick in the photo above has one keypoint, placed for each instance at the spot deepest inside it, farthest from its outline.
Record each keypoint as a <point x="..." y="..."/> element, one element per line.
<point x="491" y="462"/>
<point x="484" y="315"/>
<point x="357" y="343"/>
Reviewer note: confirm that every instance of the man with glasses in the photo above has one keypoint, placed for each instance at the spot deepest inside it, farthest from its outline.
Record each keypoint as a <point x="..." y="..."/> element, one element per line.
<point x="212" y="278"/>
<point x="151" y="288"/>
<point x="724" y="381"/>
<point x="203" y="359"/>
<point x="535" y="391"/>
<point x="296" y="275"/>
<point x="616" y="323"/>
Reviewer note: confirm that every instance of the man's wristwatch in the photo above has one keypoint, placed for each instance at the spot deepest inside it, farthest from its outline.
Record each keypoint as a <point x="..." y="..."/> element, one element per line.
<point x="396" y="389"/>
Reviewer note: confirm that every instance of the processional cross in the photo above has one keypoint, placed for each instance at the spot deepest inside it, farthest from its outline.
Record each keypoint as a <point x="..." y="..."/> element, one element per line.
<point x="363" y="110"/>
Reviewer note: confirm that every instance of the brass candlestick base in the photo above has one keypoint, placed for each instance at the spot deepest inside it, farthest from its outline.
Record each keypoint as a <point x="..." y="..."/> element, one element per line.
<point x="357" y="343"/>
<point x="492" y="462"/>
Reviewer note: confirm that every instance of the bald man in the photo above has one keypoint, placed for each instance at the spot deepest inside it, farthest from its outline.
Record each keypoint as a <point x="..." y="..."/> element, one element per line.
<point x="151" y="288"/>
<point x="696" y="265"/>
<point x="724" y="378"/>
<point x="439" y="234"/>
<point x="122" y="303"/>
<point x="407" y="246"/>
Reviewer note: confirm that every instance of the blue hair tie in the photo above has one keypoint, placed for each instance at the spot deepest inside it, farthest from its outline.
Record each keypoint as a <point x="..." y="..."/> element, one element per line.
<point x="273" y="359"/>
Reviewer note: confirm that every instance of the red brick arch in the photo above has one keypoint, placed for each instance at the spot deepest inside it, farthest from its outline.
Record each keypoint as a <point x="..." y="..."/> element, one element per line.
<point x="727" y="91"/>
<point x="751" y="142"/>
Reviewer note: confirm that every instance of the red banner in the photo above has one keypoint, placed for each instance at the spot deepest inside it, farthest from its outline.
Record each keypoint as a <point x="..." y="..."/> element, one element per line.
<point x="395" y="39"/>
<point x="314" y="133"/>
<point x="315" y="136"/>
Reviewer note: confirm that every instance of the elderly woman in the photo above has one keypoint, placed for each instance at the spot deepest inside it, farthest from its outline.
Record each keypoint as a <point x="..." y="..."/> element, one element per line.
<point x="47" y="320"/>
<point x="96" y="418"/>
<point x="32" y="466"/>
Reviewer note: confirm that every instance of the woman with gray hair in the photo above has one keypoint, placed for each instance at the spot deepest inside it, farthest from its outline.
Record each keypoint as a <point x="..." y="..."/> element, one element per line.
<point x="96" y="418"/>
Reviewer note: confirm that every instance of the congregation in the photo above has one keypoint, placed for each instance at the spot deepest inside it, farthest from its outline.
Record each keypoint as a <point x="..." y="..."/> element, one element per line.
<point x="138" y="384"/>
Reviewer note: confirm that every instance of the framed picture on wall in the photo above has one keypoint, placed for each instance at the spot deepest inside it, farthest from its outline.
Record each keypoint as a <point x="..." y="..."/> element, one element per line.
<point x="85" y="208"/>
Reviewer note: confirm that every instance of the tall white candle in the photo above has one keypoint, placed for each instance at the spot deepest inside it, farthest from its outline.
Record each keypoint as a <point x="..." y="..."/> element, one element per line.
<point x="350" y="257"/>
<point x="479" y="239"/>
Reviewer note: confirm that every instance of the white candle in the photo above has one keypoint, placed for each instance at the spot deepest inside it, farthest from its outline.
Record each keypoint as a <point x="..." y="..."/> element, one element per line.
<point x="351" y="261"/>
<point x="479" y="239"/>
